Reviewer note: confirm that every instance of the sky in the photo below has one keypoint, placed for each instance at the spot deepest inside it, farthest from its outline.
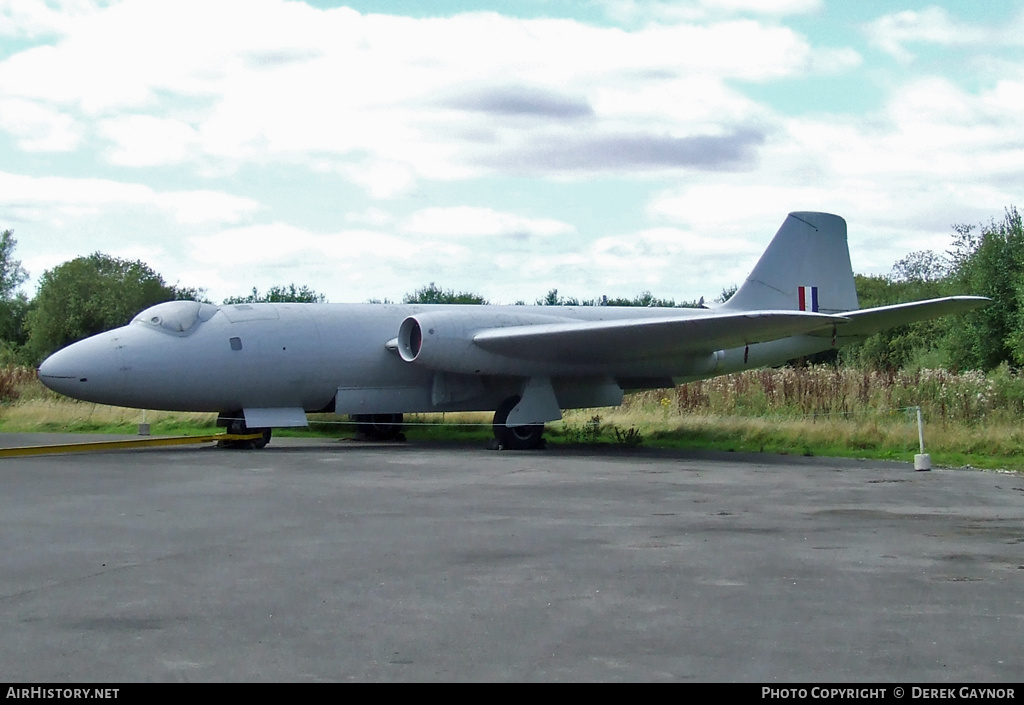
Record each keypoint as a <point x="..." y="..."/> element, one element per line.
<point x="598" y="147"/>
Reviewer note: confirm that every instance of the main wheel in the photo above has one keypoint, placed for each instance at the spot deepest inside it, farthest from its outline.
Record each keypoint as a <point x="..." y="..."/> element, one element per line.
<point x="527" y="437"/>
<point x="379" y="427"/>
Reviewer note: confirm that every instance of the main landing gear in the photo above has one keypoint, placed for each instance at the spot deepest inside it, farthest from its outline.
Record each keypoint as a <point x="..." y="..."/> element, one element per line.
<point x="379" y="427"/>
<point x="528" y="437"/>
<point x="234" y="423"/>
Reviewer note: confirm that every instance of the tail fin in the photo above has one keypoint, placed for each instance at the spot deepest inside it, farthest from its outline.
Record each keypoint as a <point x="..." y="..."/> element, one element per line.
<point x="806" y="267"/>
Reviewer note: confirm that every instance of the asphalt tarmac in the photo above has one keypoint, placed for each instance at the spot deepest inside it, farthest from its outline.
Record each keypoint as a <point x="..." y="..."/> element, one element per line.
<point x="340" y="561"/>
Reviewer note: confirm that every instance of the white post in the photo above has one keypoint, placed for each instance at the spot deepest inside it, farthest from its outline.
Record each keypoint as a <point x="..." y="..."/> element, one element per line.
<point x="143" y="427"/>
<point x="922" y="461"/>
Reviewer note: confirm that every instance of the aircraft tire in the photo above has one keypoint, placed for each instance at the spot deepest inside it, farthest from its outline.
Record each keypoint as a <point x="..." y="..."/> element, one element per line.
<point x="379" y="427"/>
<point x="261" y="442"/>
<point x="528" y="437"/>
<point x="234" y="424"/>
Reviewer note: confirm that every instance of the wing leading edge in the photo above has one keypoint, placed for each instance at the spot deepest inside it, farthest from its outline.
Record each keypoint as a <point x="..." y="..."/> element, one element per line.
<point x="634" y="339"/>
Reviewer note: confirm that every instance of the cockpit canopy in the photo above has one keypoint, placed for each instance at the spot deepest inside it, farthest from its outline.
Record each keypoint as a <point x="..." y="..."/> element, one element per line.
<point x="178" y="317"/>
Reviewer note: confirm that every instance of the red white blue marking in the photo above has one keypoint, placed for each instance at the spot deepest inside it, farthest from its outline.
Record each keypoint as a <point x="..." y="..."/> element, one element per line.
<point x="808" y="298"/>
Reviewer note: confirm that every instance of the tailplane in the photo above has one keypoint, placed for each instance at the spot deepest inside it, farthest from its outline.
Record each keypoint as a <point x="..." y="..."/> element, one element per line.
<point x="805" y="268"/>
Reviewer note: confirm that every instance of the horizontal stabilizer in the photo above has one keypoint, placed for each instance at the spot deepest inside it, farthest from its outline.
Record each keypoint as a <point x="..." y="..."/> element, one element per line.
<point x="626" y="340"/>
<point x="869" y="321"/>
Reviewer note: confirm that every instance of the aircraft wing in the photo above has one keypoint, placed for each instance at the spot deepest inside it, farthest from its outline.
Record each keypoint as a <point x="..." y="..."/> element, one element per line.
<point x="869" y="321"/>
<point x="634" y="339"/>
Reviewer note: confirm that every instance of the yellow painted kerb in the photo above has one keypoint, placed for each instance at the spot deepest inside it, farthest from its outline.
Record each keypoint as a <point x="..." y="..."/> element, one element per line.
<point x="124" y="444"/>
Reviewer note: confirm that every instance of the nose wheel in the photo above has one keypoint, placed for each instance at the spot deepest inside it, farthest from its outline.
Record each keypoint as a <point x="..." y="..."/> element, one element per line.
<point x="234" y="423"/>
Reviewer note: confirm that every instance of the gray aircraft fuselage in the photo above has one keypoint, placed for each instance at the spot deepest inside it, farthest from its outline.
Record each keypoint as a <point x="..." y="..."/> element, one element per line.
<point x="185" y="356"/>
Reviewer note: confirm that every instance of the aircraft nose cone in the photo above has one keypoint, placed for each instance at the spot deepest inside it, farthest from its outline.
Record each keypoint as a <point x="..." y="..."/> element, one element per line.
<point x="90" y="369"/>
<point x="59" y="366"/>
<point x="60" y="372"/>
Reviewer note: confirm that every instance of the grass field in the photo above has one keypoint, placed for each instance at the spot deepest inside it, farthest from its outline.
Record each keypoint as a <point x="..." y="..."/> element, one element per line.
<point x="970" y="418"/>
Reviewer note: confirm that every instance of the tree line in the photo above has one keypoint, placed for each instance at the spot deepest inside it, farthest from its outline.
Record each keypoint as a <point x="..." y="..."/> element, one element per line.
<point x="98" y="292"/>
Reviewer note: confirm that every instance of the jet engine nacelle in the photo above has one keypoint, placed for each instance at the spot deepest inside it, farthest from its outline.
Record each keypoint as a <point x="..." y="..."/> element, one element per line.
<point x="443" y="340"/>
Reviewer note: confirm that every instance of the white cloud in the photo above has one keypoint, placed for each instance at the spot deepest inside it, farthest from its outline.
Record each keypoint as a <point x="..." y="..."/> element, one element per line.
<point x="371" y="216"/>
<point x="144" y="140"/>
<point x="38" y="127"/>
<point x="668" y="262"/>
<point x="466" y="221"/>
<point x="195" y="207"/>
<point x="777" y="7"/>
<point x="346" y="265"/>
<point x="936" y="156"/>
<point x="33" y="18"/>
<point x="63" y="196"/>
<point x="894" y="32"/>
<point x="382" y="179"/>
<point x="383" y="99"/>
<point x="275" y="242"/>
<point x="670" y="242"/>
<point x="633" y="11"/>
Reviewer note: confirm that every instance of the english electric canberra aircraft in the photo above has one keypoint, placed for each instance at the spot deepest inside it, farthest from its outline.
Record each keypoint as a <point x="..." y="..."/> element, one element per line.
<point x="266" y="365"/>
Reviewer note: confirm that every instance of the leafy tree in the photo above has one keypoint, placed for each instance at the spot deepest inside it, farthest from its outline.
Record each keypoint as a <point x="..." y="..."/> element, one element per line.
<point x="989" y="262"/>
<point x="645" y="299"/>
<point x="727" y="293"/>
<point x="279" y="294"/>
<point x="14" y="305"/>
<point x="12" y="274"/>
<point x="88" y="295"/>
<point x="190" y="293"/>
<point x="923" y="267"/>
<point x="13" y="312"/>
<point x="914" y="345"/>
<point x="553" y="299"/>
<point x="433" y="294"/>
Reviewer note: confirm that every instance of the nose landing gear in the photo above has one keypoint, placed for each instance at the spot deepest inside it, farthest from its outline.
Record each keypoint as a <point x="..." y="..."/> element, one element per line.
<point x="234" y="423"/>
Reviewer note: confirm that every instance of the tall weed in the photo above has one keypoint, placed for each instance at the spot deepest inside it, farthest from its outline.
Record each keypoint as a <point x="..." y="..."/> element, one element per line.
<point x="823" y="391"/>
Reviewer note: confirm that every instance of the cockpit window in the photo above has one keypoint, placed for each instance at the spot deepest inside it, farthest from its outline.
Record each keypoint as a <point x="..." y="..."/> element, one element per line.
<point x="176" y="316"/>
